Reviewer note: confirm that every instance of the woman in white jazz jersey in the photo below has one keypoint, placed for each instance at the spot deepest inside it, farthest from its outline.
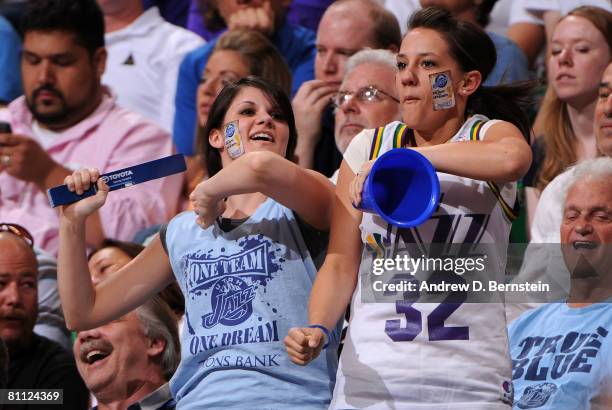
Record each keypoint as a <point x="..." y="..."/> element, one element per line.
<point x="426" y="355"/>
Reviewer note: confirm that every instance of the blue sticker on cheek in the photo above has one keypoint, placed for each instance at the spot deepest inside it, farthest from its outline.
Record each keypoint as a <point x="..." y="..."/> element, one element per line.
<point x="229" y="130"/>
<point x="441" y="81"/>
<point x="442" y="90"/>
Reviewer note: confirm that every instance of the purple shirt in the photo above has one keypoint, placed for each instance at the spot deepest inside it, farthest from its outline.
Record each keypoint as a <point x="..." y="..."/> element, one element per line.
<point x="110" y="138"/>
<point x="306" y="13"/>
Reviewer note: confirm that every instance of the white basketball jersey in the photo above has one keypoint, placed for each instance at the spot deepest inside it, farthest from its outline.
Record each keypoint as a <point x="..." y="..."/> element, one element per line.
<point x="430" y="355"/>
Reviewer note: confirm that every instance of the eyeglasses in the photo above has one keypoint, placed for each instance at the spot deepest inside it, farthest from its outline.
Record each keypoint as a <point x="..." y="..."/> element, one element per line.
<point x="19" y="231"/>
<point x="366" y="94"/>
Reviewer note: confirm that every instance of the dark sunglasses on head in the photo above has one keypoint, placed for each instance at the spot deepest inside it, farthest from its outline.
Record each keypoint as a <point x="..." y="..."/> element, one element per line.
<point x="17" y="230"/>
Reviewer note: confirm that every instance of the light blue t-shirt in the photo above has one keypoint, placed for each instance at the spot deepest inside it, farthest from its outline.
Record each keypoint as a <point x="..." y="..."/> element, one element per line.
<point x="244" y="289"/>
<point x="562" y="357"/>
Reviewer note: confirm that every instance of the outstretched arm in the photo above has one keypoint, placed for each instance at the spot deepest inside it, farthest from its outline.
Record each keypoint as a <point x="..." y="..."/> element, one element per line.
<point x="86" y="306"/>
<point x="307" y="192"/>
<point x="337" y="278"/>
<point x="31" y="163"/>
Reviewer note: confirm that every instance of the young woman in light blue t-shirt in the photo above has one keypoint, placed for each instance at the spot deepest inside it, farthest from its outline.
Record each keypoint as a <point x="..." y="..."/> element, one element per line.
<point x="244" y="261"/>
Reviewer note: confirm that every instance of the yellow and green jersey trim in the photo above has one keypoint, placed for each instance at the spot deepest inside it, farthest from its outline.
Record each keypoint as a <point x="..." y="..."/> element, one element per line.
<point x="511" y="212"/>
<point x="404" y="136"/>
<point x="475" y="130"/>
<point x="376" y="142"/>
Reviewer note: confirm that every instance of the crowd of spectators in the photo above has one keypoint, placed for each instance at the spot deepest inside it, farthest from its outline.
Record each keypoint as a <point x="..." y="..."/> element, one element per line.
<point x="228" y="285"/>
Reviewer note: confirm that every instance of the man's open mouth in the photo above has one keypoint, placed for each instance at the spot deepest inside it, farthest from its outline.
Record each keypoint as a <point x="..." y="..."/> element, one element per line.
<point x="585" y="245"/>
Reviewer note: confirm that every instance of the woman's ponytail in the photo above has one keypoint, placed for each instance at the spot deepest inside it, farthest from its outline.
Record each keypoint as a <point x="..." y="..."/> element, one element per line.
<point x="505" y="102"/>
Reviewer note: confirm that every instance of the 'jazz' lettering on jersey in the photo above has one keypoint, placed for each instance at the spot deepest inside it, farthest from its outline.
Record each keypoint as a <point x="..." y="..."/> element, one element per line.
<point x="227" y="284"/>
<point x="405" y="241"/>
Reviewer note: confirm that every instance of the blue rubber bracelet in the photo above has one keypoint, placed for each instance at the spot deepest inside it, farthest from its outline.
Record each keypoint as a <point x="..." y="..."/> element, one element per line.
<point x="325" y="330"/>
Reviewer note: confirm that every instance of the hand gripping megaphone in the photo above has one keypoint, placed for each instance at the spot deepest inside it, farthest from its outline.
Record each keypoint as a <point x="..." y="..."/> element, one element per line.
<point x="402" y="187"/>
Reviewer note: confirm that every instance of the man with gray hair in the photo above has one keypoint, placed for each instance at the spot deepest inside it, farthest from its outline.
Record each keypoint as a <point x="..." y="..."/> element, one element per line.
<point x="346" y="27"/>
<point x="541" y="260"/>
<point x="366" y="98"/>
<point x="561" y="352"/>
<point x="129" y="361"/>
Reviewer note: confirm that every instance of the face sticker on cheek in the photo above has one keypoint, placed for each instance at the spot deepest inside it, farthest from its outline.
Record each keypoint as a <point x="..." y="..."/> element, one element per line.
<point x="233" y="140"/>
<point x="442" y="91"/>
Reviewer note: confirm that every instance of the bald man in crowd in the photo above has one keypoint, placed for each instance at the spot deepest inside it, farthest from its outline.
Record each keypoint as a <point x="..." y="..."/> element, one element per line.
<point x="35" y="362"/>
<point x="346" y="27"/>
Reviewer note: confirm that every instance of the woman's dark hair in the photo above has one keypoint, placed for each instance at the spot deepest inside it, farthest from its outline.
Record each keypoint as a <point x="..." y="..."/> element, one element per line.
<point x="260" y="55"/>
<point x="131" y="249"/>
<point x="83" y="18"/>
<point x="211" y="156"/>
<point x="473" y="49"/>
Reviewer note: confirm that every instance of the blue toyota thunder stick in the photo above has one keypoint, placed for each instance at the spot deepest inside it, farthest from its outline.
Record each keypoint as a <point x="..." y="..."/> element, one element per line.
<point x="159" y="168"/>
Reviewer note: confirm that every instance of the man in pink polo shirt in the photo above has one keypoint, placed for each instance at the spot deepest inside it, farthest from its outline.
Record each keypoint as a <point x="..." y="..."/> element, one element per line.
<point x="68" y="120"/>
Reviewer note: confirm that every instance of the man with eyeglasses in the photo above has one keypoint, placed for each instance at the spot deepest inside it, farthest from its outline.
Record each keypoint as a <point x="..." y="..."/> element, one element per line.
<point x="346" y="27"/>
<point x="35" y="362"/>
<point x="367" y="96"/>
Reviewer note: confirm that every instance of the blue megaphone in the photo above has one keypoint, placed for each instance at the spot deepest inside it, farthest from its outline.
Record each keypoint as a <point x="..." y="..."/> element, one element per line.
<point x="402" y="187"/>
